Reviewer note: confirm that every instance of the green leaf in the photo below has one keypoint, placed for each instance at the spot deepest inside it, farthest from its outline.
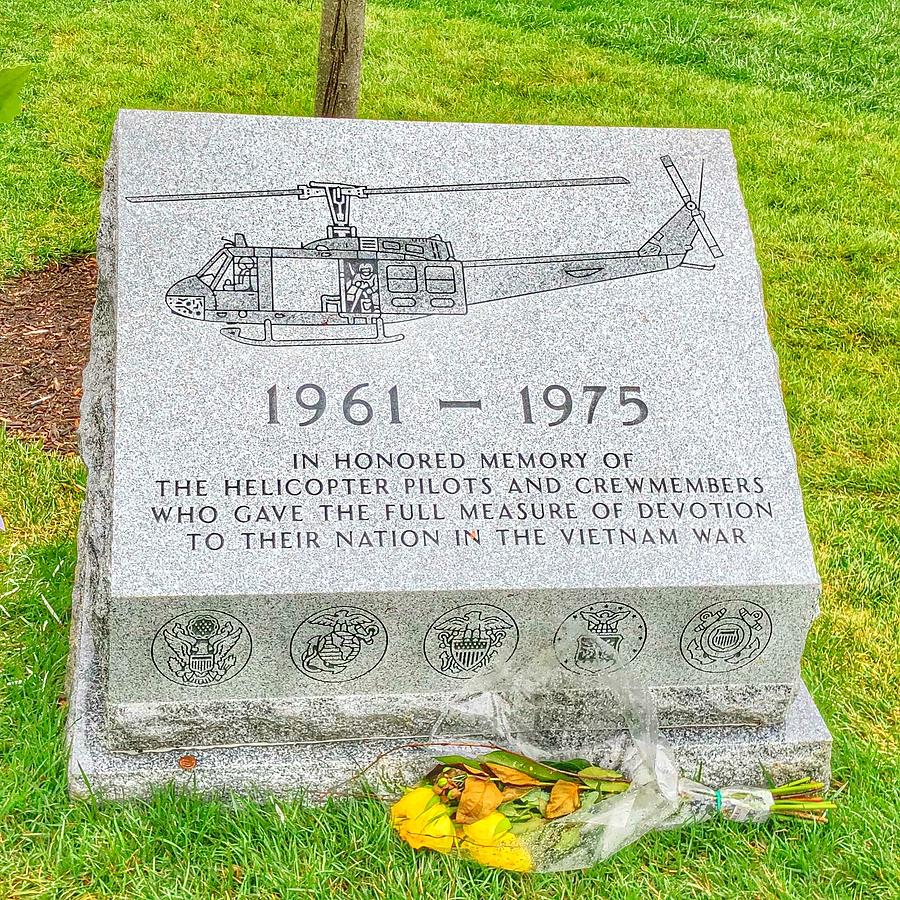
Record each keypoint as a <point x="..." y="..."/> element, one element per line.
<point x="573" y="766"/>
<point x="510" y="810"/>
<point x="595" y="772"/>
<point x="569" y="839"/>
<point x="461" y="761"/>
<point x="11" y="83"/>
<point x="523" y="826"/>
<point x="608" y="787"/>
<point x="526" y="766"/>
<point x="536" y="800"/>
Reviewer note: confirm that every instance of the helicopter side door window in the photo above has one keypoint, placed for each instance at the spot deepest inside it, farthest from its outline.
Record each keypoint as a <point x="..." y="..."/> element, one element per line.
<point x="241" y="275"/>
<point x="402" y="279"/>
<point x="440" y="280"/>
<point x="362" y="288"/>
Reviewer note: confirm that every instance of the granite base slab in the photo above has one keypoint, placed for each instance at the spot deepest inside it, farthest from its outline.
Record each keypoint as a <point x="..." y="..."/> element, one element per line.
<point x="801" y="745"/>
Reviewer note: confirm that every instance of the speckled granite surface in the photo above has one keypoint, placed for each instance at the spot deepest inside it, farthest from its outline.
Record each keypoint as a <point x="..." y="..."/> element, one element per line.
<point x="333" y="643"/>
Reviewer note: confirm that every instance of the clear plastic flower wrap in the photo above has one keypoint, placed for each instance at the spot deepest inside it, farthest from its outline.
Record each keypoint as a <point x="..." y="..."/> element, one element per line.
<point x="508" y="803"/>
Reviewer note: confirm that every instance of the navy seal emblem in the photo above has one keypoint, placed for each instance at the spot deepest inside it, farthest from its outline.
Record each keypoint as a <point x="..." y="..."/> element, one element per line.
<point x="471" y="640"/>
<point x="202" y="648"/>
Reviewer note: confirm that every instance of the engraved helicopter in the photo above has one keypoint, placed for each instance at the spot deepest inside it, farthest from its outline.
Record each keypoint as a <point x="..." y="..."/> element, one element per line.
<point x="384" y="280"/>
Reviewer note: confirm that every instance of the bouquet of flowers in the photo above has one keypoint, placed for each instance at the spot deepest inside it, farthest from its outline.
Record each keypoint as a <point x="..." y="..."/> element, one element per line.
<point x="508" y="811"/>
<point x="517" y="809"/>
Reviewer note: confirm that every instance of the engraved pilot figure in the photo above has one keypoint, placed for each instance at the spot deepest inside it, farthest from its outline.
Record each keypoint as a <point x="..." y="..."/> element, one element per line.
<point x="244" y="274"/>
<point x="362" y="292"/>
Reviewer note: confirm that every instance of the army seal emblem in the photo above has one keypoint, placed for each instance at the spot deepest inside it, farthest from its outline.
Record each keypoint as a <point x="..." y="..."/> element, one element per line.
<point x="471" y="640"/>
<point x="726" y="636"/>
<point x="202" y="648"/>
<point x="338" y="644"/>
<point x="597" y="636"/>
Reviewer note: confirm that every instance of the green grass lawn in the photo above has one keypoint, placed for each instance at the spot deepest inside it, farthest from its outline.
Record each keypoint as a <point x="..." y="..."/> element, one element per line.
<point x="811" y="93"/>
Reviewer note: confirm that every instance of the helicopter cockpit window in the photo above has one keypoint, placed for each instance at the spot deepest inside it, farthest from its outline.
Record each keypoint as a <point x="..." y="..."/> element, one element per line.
<point x="402" y="279"/>
<point x="209" y="272"/>
<point x="241" y="274"/>
<point x="440" y="280"/>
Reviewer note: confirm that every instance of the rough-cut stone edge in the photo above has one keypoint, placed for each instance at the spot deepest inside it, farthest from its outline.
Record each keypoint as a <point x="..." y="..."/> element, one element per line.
<point x="166" y="725"/>
<point x="776" y="369"/>
<point x="91" y="592"/>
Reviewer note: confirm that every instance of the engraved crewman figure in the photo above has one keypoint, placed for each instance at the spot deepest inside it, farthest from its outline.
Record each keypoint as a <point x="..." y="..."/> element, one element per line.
<point x="246" y="269"/>
<point x="362" y="292"/>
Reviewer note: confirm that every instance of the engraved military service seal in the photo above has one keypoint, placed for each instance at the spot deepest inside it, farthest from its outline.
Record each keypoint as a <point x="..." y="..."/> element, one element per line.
<point x="341" y="643"/>
<point x="595" y="637"/>
<point x="201" y="648"/>
<point x="471" y="640"/>
<point x="726" y="636"/>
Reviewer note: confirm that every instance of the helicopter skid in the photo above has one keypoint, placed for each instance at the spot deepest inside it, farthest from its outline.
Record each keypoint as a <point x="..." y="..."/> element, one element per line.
<point x="269" y="340"/>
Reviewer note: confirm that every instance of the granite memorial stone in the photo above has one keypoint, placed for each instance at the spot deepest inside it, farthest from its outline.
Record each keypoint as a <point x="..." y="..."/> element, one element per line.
<point x="374" y="408"/>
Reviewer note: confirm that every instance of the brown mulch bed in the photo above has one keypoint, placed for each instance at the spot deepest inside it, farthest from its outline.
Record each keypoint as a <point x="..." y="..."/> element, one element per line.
<point x="45" y="320"/>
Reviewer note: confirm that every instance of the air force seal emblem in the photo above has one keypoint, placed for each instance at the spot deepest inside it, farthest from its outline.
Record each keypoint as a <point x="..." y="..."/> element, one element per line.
<point x="599" y="636"/>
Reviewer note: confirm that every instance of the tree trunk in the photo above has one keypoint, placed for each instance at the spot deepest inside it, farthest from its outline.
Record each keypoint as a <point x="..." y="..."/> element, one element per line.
<point x="340" y="58"/>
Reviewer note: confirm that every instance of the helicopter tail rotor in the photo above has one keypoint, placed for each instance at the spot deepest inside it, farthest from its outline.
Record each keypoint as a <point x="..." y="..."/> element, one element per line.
<point x="697" y="214"/>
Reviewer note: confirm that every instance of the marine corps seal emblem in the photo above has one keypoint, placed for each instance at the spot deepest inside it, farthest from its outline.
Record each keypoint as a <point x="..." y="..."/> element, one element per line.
<point x="338" y="644"/>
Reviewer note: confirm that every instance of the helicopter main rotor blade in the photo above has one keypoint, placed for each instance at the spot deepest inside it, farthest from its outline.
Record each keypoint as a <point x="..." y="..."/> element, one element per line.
<point x="714" y="248"/>
<point x="321" y="188"/>
<point x="217" y="195"/>
<point x="497" y="185"/>
<point x="676" y="178"/>
<point x="694" y="207"/>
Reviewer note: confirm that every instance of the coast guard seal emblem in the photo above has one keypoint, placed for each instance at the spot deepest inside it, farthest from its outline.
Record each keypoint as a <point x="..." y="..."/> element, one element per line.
<point x="202" y="648"/>
<point x="726" y="636"/>
<point x="471" y="640"/>
<point x="338" y="644"/>
<point x="597" y="636"/>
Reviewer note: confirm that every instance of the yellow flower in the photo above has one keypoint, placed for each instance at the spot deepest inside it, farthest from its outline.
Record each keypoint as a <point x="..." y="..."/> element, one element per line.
<point x="436" y="832"/>
<point x="489" y="842"/>
<point x="423" y="821"/>
<point x="486" y="831"/>
<point x="413" y="803"/>
<point x="506" y="853"/>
